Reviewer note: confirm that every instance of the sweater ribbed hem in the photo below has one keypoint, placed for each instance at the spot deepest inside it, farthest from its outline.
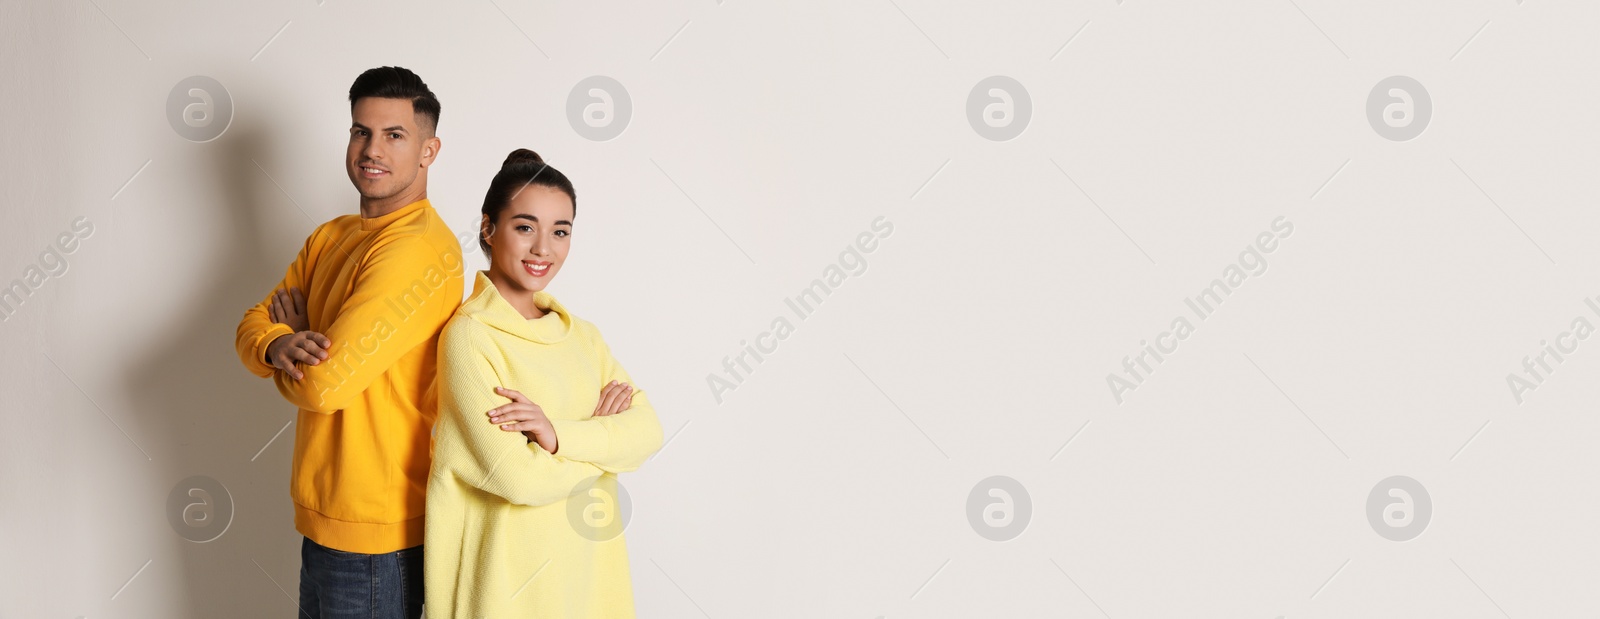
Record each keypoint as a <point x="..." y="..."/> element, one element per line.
<point x="371" y="538"/>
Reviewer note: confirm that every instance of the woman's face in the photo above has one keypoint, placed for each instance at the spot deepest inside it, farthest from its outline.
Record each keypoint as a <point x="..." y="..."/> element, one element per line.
<point x="529" y="243"/>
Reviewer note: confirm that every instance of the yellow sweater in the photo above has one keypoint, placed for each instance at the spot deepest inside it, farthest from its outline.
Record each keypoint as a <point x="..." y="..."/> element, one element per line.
<point x="380" y="289"/>
<point x="512" y="530"/>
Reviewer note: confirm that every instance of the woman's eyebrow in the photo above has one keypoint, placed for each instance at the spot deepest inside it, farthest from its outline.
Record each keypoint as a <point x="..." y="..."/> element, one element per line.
<point x="560" y="222"/>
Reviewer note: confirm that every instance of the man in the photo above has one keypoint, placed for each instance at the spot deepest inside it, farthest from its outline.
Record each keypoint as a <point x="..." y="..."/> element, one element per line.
<point x="350" y="337"/>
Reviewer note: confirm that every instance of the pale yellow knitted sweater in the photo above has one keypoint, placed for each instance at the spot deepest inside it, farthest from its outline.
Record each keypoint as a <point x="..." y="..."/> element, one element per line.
<point x="512" y="530"/>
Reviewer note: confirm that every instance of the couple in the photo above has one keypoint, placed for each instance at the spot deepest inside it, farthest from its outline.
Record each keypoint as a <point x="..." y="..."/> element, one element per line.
<point x="505" y="417"/>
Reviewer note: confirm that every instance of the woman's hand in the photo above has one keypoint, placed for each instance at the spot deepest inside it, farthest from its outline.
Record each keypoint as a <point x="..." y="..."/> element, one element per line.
<point x="615" y="397"/>
<point x="289" y="307"/>
<point x="522" y="415"/>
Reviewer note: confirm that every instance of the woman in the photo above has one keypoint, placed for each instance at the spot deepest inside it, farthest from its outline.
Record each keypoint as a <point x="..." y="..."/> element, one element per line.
<point x="521" y="517"/>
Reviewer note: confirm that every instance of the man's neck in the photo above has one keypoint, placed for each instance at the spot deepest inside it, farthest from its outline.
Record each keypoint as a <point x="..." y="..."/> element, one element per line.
<point x="374" y="208"/>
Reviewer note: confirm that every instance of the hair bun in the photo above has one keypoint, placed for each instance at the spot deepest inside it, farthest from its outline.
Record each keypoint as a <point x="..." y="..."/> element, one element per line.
<point x="522" y="155"/>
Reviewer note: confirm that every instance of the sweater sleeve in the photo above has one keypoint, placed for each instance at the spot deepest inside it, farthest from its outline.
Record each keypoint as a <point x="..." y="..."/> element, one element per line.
<point x="480" y="453"/>
<point x="257" y="330"/>
<point x="617" y="443"/>
<point x="399" y="299"/>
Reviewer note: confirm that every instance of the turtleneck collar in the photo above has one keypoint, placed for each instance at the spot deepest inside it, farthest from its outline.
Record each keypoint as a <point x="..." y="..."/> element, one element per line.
<point x="488" y="307"/>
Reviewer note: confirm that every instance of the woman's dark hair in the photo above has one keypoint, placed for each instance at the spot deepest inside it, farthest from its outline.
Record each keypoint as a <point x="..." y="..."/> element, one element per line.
<point x="398" y="83"/>
<point x="522" y="168"/>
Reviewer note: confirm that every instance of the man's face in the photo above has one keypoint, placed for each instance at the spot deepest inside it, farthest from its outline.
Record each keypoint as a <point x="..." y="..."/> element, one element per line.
<point x="388" y="149"/>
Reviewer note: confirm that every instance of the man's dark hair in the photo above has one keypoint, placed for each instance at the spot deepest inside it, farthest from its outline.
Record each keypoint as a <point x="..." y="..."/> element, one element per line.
<point x="398" y="83"/>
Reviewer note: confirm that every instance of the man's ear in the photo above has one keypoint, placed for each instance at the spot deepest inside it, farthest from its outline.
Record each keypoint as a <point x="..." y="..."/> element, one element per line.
<point x="430" y="150"/>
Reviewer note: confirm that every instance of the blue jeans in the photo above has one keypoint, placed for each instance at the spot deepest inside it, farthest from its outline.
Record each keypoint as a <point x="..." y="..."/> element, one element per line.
<point x="335" y="584"/>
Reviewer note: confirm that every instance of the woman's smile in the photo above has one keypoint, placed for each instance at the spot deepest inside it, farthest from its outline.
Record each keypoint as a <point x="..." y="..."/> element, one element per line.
<point x="536" y="268"/>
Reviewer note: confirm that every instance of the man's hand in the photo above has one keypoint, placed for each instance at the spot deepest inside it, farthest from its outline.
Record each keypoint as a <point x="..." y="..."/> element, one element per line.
<point x="615" y="397"/>
<point x="522" y="415"/>
<point x="288" y="307"/>
<point x="308" y="347"/>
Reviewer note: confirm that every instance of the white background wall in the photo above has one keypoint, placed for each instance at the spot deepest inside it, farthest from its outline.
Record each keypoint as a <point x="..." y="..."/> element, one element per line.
<point x="834" y="481"/>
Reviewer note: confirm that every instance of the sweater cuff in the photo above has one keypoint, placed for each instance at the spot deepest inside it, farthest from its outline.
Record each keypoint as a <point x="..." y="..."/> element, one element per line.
<point x="273" y="332"/>
<point x="579" y="439"/>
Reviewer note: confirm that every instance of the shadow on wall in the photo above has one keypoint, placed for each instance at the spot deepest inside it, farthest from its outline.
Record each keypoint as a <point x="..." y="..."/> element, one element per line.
<point x="235" y="538"/>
